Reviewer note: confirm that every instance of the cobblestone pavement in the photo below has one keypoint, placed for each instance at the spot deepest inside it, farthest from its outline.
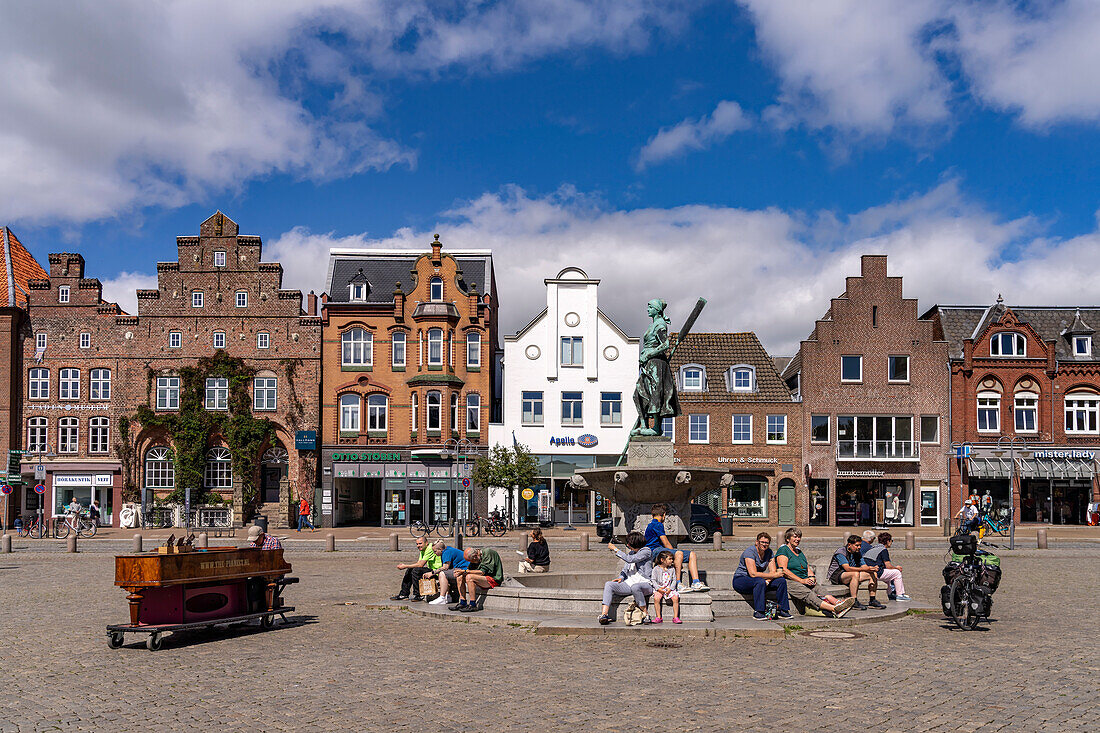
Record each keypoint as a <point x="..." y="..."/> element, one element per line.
<point x="345" y="666"/>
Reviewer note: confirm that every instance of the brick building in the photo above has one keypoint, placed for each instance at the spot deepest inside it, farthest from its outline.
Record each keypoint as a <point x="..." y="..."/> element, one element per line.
<point x="1030" y="376"/>
<point x="737" y="414"/>
<point x="17" y="268"/>
<point x="90" y="367"/>
<point x="410" y="341"/>
<point x="873" y="378"/>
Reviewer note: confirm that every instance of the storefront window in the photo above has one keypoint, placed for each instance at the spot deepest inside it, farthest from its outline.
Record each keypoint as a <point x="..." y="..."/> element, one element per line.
<point x="819" y="503"/>
<point x="749" y="497"/>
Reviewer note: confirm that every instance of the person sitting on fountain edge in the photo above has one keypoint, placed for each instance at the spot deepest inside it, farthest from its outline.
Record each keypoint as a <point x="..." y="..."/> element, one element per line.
<point x="656" y="540"/>
<point x="485" y="572"/>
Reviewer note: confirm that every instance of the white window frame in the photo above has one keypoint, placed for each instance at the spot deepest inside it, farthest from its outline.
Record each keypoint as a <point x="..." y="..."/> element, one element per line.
<point x="415" y="409"/>
<point x="741" y="369"/>
<point x="356" y="350"/>
<point x="613" y="401"/>
<point x="85" y="340"/>
<point x="160" y="471"/>
<point x="38" y="435"/>
<point x="68" y="435"/>
<point x="241" y="299"/>
<point x="38" y="384"/>
<point x="218" y="470"/>
<point x="1082" y="345"/>
<point x="692" y="378"/>
<point x="473" y="413"/>
<point x="923" y="440"/>
<point x="350" y="408"/>
<point x="828" y="430"/>
<point x="63" y="294"/>
<point x="99" y="435"/>
<point x="435" y="344"/>
<point x="99" y="385"/>
<point x="68" y="384"/>
<point x="178" y="337"/>
<point x="669" y="422"/>
<point x="890" y="366"/>
<point x="377" y="413"/>
<point x="576" y="407"/>
<point x="1084" y="405"/>
<point x="40" y="340"/>
<point x="575" y="352"/>
<point x="218" y="339"/>
<point x="216" y="397"/>
<point x="859" y="379"/>
<point x="733" y="430"/>
<point x="454" y="412"/>
<point x="357" y="291"/>
<point x="219" y="258"/>
<point x="263" y="340"/>
<point x="772" y="420"/>
<point x="432" y="285"/>
<point x="473" y="349"/>
<point x="265" y="393"/>
<point x="168" y="392"/>
<point x="992" y="401"/>
<point x="527" y="398"/>
<point x="198" y="298"/>
<point x="437" y="407"/>
<point x="1019" y="343"/>
<point x="1018" y="410"/>
<point x="693" y="424"/>
<point x="399" y="337"/>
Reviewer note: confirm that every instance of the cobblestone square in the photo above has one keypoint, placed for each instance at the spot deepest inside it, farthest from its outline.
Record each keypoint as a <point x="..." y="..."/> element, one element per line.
<point x="340" y="666"/>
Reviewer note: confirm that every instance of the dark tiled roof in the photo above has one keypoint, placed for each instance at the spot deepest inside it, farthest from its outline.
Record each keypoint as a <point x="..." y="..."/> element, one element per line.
<point x="385" y="271"/>
<point x="717" y="352"/>
<point x="1052" y="323"/>
<point x="793" y="366"/>
<point x="17" y="265"/>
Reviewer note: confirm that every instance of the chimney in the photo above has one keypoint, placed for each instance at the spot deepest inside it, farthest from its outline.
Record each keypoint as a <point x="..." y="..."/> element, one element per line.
<point x="398" y="302"/>
<point x="437" y="248"/>
<point x="311" y="304"/>
<point x="473" y="302"/>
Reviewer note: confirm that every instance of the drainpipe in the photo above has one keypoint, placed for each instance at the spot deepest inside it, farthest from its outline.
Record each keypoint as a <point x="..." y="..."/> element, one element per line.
<point x="950" y="438"/>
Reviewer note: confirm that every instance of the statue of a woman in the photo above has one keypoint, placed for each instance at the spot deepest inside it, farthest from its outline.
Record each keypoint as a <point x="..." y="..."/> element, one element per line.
<point x="655" y="394"/>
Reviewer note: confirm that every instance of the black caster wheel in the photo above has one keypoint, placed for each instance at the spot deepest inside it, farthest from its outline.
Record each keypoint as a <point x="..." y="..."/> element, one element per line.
<point x="153" y="643"/>
<point x="114" y="639"/>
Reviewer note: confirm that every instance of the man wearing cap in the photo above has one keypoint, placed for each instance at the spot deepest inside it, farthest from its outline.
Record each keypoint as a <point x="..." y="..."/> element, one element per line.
<point x="969" y="514"/>
<point x="262" y="540"/>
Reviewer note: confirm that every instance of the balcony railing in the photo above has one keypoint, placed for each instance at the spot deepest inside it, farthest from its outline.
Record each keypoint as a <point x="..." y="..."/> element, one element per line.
<point x="877" y="450"/>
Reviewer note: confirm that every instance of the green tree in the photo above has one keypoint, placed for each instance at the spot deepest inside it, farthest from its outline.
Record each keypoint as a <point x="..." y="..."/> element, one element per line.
<point x="506" y="468"/>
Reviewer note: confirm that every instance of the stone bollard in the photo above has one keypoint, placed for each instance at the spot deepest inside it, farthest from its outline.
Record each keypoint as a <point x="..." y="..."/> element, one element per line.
<point x="330" y="542"/>
<point x="137" y="543"/>
<point x="5" y="543"/>
<point x="910" y="541"/>
<point x="71" y="542"/>
<point x="1041" y="538"/>
<point x="395" y="543"/>
<point x="717" y="539"/>
<point x="584" y="541"/>
<point x="523" y="541"/>
<point x="203" y="540"/>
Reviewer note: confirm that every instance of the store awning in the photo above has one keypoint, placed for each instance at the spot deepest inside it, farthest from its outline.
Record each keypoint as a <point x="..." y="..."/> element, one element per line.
<point x="988" y="467"/>
<point x="1056" y="468"/>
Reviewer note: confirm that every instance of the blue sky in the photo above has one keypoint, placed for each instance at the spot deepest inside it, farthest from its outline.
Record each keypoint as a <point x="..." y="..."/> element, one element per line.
<point x="743" y="151"/>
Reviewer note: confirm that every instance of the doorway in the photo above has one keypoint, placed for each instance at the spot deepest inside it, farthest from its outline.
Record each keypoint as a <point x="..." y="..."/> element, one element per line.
<point x="274" y="468"/>
<point x="786" y="501"/>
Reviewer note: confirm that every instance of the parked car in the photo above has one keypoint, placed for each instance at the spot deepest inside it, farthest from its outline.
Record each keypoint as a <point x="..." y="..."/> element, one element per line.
<point x="704" y="523"/>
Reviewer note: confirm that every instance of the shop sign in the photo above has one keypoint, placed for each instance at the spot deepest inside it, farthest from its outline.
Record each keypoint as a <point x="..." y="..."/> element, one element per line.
<point x="860" y="474"/>
<point x="102" y="479"/>
<point x="743" y="459"/>
<point x="72" y="479"/>
<point x="367" y="457"/>
<point x="1088" y="455"/>
<point x="562" y="441"/>
<point x="587" y="441"/>
<point x="305" y="439"/>
<point x="527" y="494"/>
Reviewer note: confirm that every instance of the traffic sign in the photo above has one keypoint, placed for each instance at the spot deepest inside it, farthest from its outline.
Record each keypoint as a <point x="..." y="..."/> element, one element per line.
<point x="39" y="472"/>
<point x="39" y="489"/>
<point x="527" y="494"/>
<point x="5" y="489"/>
<point x="465" y="483"/>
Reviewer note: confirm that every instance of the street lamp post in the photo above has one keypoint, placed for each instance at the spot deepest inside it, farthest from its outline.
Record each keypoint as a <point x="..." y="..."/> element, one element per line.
<point x="459" y="449"/>
<point x="49" y="455"/>
<point x="1024" y="453"/>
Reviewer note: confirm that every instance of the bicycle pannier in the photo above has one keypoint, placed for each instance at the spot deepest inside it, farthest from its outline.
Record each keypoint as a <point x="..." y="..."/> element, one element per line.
<point x="964" y="544"/>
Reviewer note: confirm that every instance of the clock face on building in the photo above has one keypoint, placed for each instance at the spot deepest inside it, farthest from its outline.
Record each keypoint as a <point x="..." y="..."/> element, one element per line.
<point x="532" y="352"/>
<point x="611" y="353"/>
<point x="572" y="320"/>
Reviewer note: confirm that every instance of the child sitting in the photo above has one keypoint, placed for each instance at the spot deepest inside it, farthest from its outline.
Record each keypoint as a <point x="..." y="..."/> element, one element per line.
<point x="665" y="585"/>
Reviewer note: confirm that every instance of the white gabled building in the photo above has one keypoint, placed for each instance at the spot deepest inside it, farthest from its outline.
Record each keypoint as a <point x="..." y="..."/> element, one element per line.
<point x="568" y="387"/>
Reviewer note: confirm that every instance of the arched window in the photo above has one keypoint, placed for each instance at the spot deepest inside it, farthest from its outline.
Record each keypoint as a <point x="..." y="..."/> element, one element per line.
<point x="473" y="413"/>
<point x="219" y="469"/>
<point x="99" y="433"/>
<point x="36" y="435"/>
<point x="398" y="344"/>
<point x="435" y="408"/>
<point x="358" y="347"/>
<point x="1008" y="344"/>
<point x="741" y="378"/>
<point x="160" y="472"/>
<point x="435" y="347"/>
<point x="415" y="410"/>
<point x="435" y="288"/>
<point x="454" y="411"/>
<point x="473" y="349"/>
<point x="1026" y="409"/>
<point x="377" y="405"/>
<point x="68" y="435"/>
<point x="989" y="412"/>
<point x="692" y="378"/>
<point x="349" y="413"/>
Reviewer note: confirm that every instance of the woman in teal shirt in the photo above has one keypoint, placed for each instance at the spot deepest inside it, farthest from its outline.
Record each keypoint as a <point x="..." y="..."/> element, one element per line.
<point x="800" y="576"/>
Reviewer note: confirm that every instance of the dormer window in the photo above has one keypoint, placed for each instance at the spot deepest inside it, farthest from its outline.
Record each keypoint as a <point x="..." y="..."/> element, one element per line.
<point x="1008" y="344"/>
<point x="219" y="259"/>
<point x="742" y="378"/>
<point x="63" y="294"/>
<point x="1082" y="345"/>
<point x="358" y="291"/>
<point x="691" y="378"/>
<point x="435" y="288"/>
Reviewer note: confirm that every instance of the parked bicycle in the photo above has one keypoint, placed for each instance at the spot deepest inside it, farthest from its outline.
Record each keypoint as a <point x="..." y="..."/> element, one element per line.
<point x="34" y="529"/>
<point x="420" y="528"/>
<point x="967" y="597"/>
<point x="81" y="524"/>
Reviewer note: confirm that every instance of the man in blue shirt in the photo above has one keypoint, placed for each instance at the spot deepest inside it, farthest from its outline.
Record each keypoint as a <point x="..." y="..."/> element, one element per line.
<point x="848" y="568"/>
<point x="656" y="540"/>
<point x="452" y="558"/>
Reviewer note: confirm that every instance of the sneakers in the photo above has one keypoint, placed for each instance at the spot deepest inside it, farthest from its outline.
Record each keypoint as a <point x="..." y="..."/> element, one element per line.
<point x="699" y="587"/>
<point x="904" y="598"/>
<point x="416" y="599"/>
<point x="759" y="616"/>
<point x="605" y="620"/>
<point x="843" y="607"/>
<point x="857" y="605"/>
<point x="646" y="620"/>
<point x="438" y="601"/>
<point x="676" y="620"/>
<point x="469" y="608"/>
<point x="399" y="597"/>
<point x="784" y="614"/>
<point x="457" y="606"/>
<point x="875" y="604"/>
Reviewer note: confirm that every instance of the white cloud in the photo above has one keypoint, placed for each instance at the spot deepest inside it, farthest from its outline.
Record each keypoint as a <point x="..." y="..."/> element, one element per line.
<point x="122" y="289"/>
<point x="116" y="104"/>
<point x="726" y="119"/>
<point x="769" y="271"/>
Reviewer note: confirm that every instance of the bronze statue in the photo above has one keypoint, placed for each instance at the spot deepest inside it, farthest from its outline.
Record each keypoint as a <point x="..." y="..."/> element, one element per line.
<point x="655" y="394"/>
